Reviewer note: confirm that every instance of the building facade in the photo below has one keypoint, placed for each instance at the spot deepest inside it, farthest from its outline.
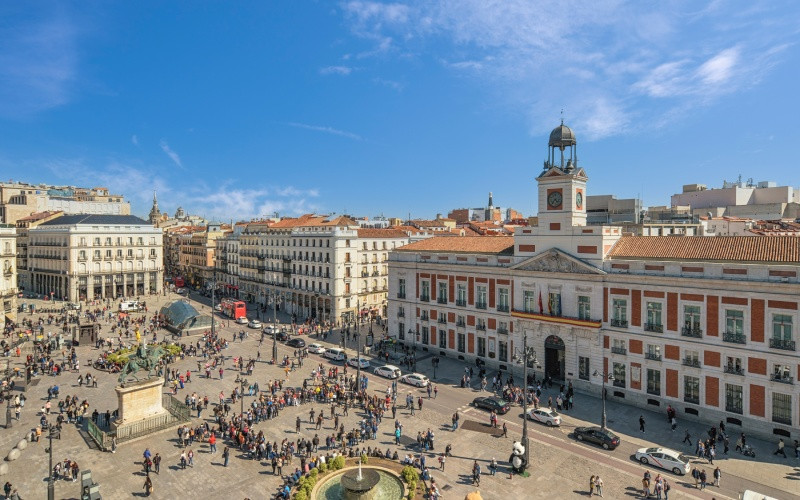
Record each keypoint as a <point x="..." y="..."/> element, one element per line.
<point x="86" y="257"/>
<point x="23" y="225"/>
<point x="705" y="324"/>
<point x="8" y="280"/>
<point x="19" y="199"/>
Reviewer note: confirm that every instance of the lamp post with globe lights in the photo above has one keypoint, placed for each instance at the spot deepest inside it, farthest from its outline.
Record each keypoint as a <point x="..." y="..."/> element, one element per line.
<point x="525" y="355"/>
<point x="610" y="378"/>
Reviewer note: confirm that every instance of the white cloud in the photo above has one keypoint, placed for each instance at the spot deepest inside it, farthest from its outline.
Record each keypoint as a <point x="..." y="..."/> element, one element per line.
<point x="336" y="70"/>
<point x="396" y="86"/>
<point x="630" y="58"/>
<point x="134" y="140"/>
<point x="172" y="154"/>
<point x="327" y="130"/>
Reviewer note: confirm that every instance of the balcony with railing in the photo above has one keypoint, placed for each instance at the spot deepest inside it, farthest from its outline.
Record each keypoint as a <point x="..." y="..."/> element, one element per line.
<point x="401" y="295"/>
<point x="654" y="356"/>
<point x="442" y="319"/>
<point x="560" y="319"/>
<point x="461" y="302"/>
<point x="424" y="316"/>
<point x="502" y="330"/>
<point x="481" y="327"/>
<point x="619" y="323"/>
<point x="783" y="344"/>
<point x="480" y="305"/>
<point x="654" y="327"/>
<point x="461" y="323"/>
<point x="424" y="298"/>
<point x="695" y="400"/>
<point x="401" y="314"/>
<point x="734" y="370"/>
<point x="619" y="350"/>
<point x="783" y="379"/>
<point x="692" y="331"/>
<point x="441" y="300"/>
<point x="502" y="307"/>
<point x="734" y="338"/>
<point x="693" y="362"/>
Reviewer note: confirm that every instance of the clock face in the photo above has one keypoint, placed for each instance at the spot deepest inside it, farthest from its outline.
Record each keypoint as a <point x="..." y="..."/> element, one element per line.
<point x="554" y="199"/>
<point x="579" y="200"/>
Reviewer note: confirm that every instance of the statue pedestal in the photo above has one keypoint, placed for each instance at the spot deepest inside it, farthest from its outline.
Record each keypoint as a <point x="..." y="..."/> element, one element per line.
<point x="140" y="409"/>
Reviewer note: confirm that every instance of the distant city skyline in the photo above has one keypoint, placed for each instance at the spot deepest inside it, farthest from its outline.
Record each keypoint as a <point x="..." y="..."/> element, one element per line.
<point x="398" y="108"/>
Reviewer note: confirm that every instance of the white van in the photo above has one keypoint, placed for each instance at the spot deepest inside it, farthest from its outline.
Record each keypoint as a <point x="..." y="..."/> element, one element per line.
<point x="129" y="306"/>
<point x="334" y="354"/>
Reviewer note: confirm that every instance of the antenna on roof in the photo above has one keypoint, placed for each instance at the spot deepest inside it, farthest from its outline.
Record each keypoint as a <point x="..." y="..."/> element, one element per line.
<point x="562" y="116"/>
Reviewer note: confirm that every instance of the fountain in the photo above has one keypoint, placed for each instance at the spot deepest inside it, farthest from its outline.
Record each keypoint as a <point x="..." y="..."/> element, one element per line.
<point x="370" y="483"/>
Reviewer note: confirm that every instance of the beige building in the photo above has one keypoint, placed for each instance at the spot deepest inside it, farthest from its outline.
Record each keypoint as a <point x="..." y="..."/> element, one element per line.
<point x="19" y="199"/>
<point x="85" y="257"/>
<point x="23" y="226"/>
<point x="197" y="251"/>
<point x="8" y="280"/>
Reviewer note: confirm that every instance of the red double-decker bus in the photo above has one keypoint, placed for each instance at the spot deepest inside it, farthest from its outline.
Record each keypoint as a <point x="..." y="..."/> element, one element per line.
<point x="178" y="282"/>
<point x="233" y="308"/>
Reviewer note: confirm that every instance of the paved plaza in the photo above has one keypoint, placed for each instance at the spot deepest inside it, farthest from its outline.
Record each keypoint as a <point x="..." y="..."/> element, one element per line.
<point x="560" y="466"/>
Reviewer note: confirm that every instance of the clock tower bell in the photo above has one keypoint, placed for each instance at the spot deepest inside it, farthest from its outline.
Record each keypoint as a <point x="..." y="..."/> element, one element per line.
<point x="562" y="184"/>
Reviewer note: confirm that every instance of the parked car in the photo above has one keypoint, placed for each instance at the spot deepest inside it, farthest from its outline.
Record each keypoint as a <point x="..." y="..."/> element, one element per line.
<point x="664" y="458"/>
<point x="254" y="323"/>
<point x="316" y="349"/>
<point x="605" y="438"/>
<point x="416" y="379"/>
<point x="296" y="343"/>
<point x="242" y="320"/>
<point x="281" y="336"/>
<point x="354" y="362"/>
<point x="335" y="354"/>
<point x="500" y="406"/>
<point x="217" y="307"/>
<point x="388" y="371"/>
<point x="544" y="416"/>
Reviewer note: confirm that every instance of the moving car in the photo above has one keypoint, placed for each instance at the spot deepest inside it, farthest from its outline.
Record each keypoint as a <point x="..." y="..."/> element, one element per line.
<point x="242" y="320"/>
<point x="334" y="354"/>
<point x="316" y="349"/>
<point x="254" y="323"/>
<point x="416" y="379"/>
<point x="281" y="336"/>
<point x="664" y="458"/>
<point x="217" y="307"/>
<point x="500" y="406"/>
<point x="363" y="362"/>
<point x="182" y="291"/>
<point x="296" y="343"/>
<point x="605" y="438"/>
<point x="544" y="416"/>
<point x="388" y="371"/>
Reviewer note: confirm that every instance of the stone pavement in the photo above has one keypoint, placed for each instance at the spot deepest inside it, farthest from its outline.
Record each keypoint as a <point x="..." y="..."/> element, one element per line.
<point x="560" y="467"/>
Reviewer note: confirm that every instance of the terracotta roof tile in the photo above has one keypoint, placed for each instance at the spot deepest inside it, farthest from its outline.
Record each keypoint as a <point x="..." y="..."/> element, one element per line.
<point x="724" y="248"/>
<point x="463" y="244"/>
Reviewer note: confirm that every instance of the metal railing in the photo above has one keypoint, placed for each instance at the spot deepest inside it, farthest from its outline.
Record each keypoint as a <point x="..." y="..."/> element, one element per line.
<point x="782" y="379"/>
<point x="441" y="300"/>
<point x="692" y="331"/>
<point x="481" y="328"/>
<point x="619" y="323"/>
<point x="652" y="355"/>
<point x="619" y="350"/>
<point x="784" y="344"/>
<point x="502" y="330"/>
<point x="734" y="370"/>
<point x="691" y="362"/>
<point x="502" y="307"/>
<point x="654" y="327"/>
<point x="735" y="338"/>
<point x="461" y="303"/>
<point x="425" y="298"/>
<point x="480" y="305"/>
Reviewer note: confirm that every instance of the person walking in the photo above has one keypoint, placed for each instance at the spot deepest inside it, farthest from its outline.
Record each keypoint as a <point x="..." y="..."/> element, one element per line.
<point x="696" y="476"/>
<point x="687" y="438"/>
<point x="441" y="461"/>
<point x="148" y="486"/>
<point x="717" y="476"/>
<point x="505" y="430"/>
<point x="703" y="479"/>
<point x="780" y="448"/>
<point x="157" y="463"/>
<point x="226" y="453"/>
<point x="212" y="443"/>
<point x="598" y="485"/>
<point x="591" y="485"/>
<point x="641" y="423"/>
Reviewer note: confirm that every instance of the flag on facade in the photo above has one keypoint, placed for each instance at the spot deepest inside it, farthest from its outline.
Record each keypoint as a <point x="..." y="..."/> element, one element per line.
<point x="541" y="309"/>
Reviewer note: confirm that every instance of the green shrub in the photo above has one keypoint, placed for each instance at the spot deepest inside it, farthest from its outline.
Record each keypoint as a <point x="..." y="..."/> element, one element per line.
<point x="364" y="459"/>
<point x="410" y="474"/>
<point x="301" y="495"/>
<point x="313" y="472"/>
<point x="337" y="463"/>
<point x="322" y="468"/>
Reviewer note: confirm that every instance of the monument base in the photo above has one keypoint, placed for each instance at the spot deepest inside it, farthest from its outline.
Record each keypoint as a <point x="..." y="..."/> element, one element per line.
<point x="141" y="409"/>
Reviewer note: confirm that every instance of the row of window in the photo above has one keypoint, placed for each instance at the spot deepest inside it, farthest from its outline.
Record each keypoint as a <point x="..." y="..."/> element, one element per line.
<point x="734" y="393"/>
<point x="481" y="294"/>
<point x="108" y="253"/>
<point x="485" y="347"/>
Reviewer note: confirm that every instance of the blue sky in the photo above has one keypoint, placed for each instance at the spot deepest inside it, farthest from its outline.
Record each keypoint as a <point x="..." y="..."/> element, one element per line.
<point x="241" y="109"/>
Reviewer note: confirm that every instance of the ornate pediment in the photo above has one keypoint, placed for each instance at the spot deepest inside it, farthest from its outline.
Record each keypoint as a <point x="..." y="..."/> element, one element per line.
<point x="556" y="261"/>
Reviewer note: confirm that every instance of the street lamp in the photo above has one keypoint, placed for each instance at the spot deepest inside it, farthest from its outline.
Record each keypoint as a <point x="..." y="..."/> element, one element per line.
<point x="51" y="493"/>
<point x="8" y="411"/>
<point x="213" y="290"/>
<point x="523" y="356"/>
<point x="610" y="378"/>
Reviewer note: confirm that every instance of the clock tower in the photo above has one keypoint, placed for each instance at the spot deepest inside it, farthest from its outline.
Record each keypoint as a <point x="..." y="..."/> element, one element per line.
<point x="562" y="185"/>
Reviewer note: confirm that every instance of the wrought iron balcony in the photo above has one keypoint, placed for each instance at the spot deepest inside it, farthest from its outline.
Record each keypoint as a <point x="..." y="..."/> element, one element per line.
<point x="784" y="344"/>
<point x="401" y="314"/>
<point x="782" y="379"/>
<point x="424" y="317"/>
<point x="619" y="350"/>
<point x="652" y="355"/>
<point x="619" y="323"/>
<point x="425" y="298"/>
<point x="734" y="370"/>
<point x="441" y="300"/>
<point x="735" y="338"/>
<point x="481" y="328"/>
<point x="401" y="295"/>
<point x="654" y="327"/>
<point x="691" y="399"/>
<point x="691" y="362"/>
<point x="502" y="307"/>
<point x="502" y="330"/>
<point x="480" y="305"/>
<point x="461" y="302"/>
<point x="461" y="323"/>
<point x="692" y="331"/>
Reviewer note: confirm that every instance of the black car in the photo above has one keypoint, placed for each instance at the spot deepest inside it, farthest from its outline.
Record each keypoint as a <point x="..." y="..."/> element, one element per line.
<point x="500" y="406"/>
<point x="605" y="438"/>
<point x="296" y="342"/>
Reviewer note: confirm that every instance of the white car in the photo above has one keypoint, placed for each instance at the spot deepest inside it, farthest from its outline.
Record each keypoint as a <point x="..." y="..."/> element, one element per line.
<point x="664" y="458"/>
<point x="363" y="362"/>
<point x="242" y="320"/>
<point x="254" y="323"/>
<point x="544" y="416"/>
<point x="388" y="371"/>
<point x="316" y="349"/>
<point x="334" y="354"/>
<point x="217" y="307"/>
<point x="416" y="379"/>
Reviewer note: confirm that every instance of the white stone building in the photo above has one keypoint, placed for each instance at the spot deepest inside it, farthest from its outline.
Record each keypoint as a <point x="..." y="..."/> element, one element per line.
<point x="85" y="257"/>
<point x="8" y="280"/>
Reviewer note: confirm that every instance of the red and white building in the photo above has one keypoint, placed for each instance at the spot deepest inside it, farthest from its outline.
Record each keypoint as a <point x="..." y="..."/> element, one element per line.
<point x="705" y="324"/>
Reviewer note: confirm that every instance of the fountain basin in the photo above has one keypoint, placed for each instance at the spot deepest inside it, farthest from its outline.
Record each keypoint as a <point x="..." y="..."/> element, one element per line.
<point x="343" y="484"/>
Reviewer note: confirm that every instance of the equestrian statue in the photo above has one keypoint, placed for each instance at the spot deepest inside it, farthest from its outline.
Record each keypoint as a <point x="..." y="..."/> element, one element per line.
<point x="142" y="359"/>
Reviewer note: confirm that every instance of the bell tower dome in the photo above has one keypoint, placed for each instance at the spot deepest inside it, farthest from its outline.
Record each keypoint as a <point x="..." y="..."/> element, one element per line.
<point x="562" y="184"/>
